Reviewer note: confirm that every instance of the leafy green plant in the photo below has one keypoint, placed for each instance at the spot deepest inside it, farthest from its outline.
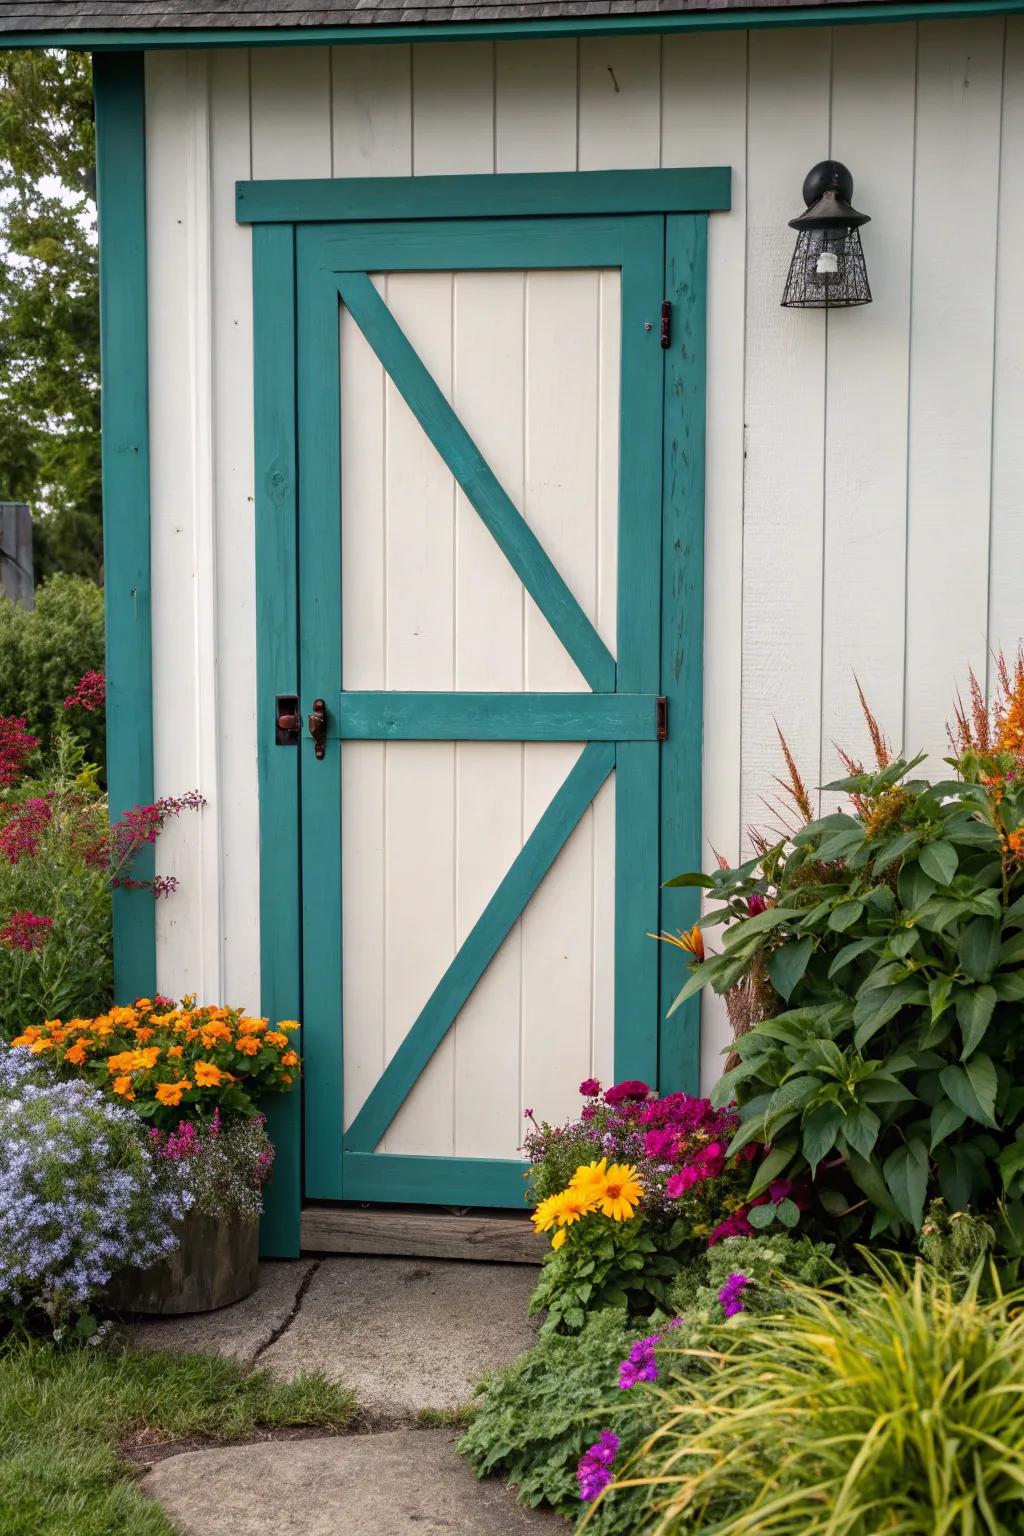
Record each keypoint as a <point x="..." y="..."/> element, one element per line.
<point x="767" y="1264"/>
<point x="894" y="1407"/>
<point x="609" y="1264"/>
<point x="44" y="653"/>
<point x="884" y="1064"/>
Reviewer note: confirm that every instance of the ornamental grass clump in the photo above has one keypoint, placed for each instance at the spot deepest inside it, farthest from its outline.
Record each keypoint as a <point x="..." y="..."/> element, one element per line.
<point x="896" y="1406"/>
<point x="81" y="1196"/>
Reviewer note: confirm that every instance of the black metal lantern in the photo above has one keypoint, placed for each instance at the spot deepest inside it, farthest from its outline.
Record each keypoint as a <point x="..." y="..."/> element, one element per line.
<point x="827" y="270"/>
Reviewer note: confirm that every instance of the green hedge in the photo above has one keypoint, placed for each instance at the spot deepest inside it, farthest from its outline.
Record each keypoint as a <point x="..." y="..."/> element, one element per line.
<point x="43" y="653"/>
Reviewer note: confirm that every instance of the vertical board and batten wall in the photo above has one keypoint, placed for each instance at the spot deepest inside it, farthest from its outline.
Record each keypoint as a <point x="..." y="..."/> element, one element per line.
<point x="863" y="473"/>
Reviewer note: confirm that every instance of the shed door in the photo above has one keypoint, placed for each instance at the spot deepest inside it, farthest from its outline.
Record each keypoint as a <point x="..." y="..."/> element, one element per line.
<point x="480" y="461"/>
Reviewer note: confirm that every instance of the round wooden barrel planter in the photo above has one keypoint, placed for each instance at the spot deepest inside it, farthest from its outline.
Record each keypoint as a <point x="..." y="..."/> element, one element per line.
<point x="214" y="1265"/>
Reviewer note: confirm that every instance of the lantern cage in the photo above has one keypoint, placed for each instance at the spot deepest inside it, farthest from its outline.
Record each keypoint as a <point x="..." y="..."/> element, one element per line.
<point x="828" y="270"/>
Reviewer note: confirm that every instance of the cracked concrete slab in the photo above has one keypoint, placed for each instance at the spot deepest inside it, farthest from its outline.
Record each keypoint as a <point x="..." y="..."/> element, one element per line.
<point x="407" y="1482"/>
<point x="241" y="1331"/>
<point x="407" y="1334"/>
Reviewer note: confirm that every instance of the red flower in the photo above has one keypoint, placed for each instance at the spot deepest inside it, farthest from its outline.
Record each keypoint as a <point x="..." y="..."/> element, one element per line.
<point x="89" y="693"/>
<point x="756" y="904"/>
<point x="623" y="1093"/>
<point x="19" y="837"/>
<point x="590" y="1087"/>
<point x="16" y="745"/>
<point x="25" y="931"/>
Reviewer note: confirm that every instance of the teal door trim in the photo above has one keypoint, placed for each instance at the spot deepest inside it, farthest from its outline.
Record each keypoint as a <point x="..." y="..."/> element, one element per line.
<point x="528" y="869"/>
<point x="120" y="99"/>
<point x="397" y="716"/>
<point x="682" y="630"/>
<point x="754" y="18"/>
<point x="277" y="671"/>
<point x="362" y="199"/>
<point x="509" y="529"/>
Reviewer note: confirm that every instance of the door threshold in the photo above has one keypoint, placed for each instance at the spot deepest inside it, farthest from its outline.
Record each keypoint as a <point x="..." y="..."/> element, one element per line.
<point x="494" y="1237"/>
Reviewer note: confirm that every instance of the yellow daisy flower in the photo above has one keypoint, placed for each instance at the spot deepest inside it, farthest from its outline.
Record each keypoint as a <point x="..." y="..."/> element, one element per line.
<point x="621" y="1193"/>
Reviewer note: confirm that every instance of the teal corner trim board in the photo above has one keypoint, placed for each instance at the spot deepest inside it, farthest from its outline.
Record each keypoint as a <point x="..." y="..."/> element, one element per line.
<point x="549" y="194"/>
<point x="119" y="86"/>
<point x="857" y="11"/>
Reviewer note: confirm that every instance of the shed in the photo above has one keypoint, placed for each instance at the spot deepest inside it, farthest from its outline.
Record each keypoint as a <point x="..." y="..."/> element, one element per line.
<point x="450" y="410"/>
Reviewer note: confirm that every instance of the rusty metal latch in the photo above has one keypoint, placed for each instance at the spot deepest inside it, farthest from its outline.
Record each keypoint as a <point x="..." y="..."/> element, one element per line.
<point x="287" y="720"/>
<point x="318" y="728"/>
<point x="666" y="324"/>
<point x="661" y="718"/>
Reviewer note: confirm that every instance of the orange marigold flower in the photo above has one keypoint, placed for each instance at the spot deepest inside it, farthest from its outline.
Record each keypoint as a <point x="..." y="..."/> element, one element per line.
<point x="289" y="1024"/>
<point x="1015" y="843"/>
<point x="171" y="1093"/>
<point x="29" y="1036"/>
<point x="123" y="1086"/>
<point x="276" y="1038"/>
<point x="247" y="1045"/>
<point x="142" y="1003"/>
<point x="289" y="1059"/>
<point x="40" y="1046"/>
<point x="286" y="1077"/>
<point x="77" y="1054"/>
<point x="208" y="1075"/>
<point x="122" y="1015"/>
<point x="144" y="1033"/>
<point x="175" y="1052"/>
<point x="251" y="1026"/>
<point x="149" y="1057"/>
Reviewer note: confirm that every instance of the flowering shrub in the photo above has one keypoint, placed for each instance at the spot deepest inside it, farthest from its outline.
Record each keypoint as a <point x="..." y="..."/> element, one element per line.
<point x="59" y="861"/>
<point x="45" y="654"/>
<point x="885" y="970"/>
<point x="172" y="1062"/>
<point x="80" y="1194"/>
<point x="224" y="1167"/>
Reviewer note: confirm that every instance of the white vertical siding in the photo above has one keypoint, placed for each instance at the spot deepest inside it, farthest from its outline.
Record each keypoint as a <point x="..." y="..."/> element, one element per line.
<point x="864" y="469"/>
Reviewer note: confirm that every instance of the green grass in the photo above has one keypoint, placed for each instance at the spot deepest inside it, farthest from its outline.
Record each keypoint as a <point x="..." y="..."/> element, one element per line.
<point x="64" y="1415"/>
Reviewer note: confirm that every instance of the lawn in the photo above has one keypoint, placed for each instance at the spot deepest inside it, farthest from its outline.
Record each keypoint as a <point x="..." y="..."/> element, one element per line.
<point x="65" y="1416"/>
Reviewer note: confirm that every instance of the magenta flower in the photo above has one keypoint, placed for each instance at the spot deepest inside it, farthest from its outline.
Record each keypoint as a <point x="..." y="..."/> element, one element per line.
<point x="89" y="693"/>
<point x="19" y="837"/>
<point x="25" y="931"/>
<point x="594" y="1471"/>
<point x="731" y="1293"/>
<point x="627" y="1092"/>
<point x="16" y="746"/>
<point x="640" y="1364"/>
<point x="590" y="1088"/>
<point x="755" y="904"/>
<point x="735" y="1225"/>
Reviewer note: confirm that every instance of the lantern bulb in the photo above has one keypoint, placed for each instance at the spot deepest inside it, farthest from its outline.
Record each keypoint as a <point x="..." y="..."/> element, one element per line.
<point x="828" y="264"/>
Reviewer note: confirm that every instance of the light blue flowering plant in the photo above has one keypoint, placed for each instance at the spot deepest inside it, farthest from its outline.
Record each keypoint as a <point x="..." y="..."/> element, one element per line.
<point x="81" y="1195"/>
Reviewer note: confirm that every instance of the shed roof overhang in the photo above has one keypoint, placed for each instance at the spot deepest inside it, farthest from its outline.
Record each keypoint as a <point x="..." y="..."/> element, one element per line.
<point x="101" y="25"/>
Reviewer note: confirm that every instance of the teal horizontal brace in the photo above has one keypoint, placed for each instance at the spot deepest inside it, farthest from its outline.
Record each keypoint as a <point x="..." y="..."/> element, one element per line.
<point x="871" y="11"/>
<point x="509" y="529"/>
<point x="434" y="1180"/>
<point x="555" y="193"/>
<point x="497" y="717"/>
<point x="484" y="940"/>
<point x="422" y="245"/>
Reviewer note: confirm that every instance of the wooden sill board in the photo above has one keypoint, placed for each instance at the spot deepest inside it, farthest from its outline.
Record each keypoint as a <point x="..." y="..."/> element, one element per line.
<point x="492" y="1238"/>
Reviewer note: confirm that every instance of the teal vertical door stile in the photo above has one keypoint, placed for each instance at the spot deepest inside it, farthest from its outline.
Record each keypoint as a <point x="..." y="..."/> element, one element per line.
<point x="638" y="647"/>
<point x="273" y="263"/>
<point x="682" y="638"/>
<point x="120" y="103"/>
<point x="319" y="415"/>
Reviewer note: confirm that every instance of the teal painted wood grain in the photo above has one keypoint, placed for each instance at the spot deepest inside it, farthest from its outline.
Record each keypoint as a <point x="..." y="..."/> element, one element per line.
<point x="855" y="12"/>
<point x="430" y="245"/>
<point x="557" y="193"/>
<point x="638" y="641"/>
<point x="435" y="1180"/>
<point x="120" y="98"/>
<point x="482" y="943"/>
<point x="396" y="716"/>
<point x="319" y="414"/>
<point x="682" y="630"/>
<point x="273" y="268"/>
<point x="509" y="529"/>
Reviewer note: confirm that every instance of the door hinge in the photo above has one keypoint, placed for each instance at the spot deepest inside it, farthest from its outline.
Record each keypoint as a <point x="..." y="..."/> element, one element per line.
<point x="666" y="324"/>
<point x="661" y="718"/>
<point x="287" y="721"/>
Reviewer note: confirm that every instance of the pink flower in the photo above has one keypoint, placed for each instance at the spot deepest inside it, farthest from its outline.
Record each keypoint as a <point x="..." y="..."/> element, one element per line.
<point x="627" y="1092"/>
<point x="680" y="1182"/>
<point x="755" y="904"/>
<point x="19" y="837"/>
<point x="25" y="931"/>
<point x="590" y="1088"/>
<point x="16" y="745"/>
<point x="89" y="693"/>
<point x="735" y="1225"/>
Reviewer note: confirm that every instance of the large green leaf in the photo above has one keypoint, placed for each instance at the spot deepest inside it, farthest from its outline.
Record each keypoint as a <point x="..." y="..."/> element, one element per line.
<point x="1009" y="986"/>
<point x="914" y="886"/>
<point x="764" y="922"/>
<point x="1011" y="1162"/>
<point x="696" y="878"/>
<point x="876" y="1008"/>
<point x="840" y="844"/>
<point x="972" y="1087"/>
<point x="845" y="915"/>
<point x="974" y="1007"/>
<point x="946" y="1118"/>
<point x="906" y="1177"/>
<point x="819" y="1133"/>
<point x="860" y="1128"/>
<point x="979" y="948"/>
<point x="940" y="860"/>
<point x="787" y="964"/>
<point x="1012" y="952"/>
<point x="849" y="953"/>
<point x="774" y="1165"/>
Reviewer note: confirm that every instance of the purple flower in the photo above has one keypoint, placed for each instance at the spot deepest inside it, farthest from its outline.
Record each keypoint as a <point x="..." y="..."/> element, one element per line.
<point x="731" y="1293"/>
<point x="594" y="1471"/>
<point x="641" y="1364"/>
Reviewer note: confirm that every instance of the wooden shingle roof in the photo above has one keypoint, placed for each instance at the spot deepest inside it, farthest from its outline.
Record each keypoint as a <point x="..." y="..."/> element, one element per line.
<point x="91" y="16"/>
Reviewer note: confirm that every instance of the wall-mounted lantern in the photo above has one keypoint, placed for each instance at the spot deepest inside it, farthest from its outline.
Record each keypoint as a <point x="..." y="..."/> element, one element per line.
<point x="827" y="270"/>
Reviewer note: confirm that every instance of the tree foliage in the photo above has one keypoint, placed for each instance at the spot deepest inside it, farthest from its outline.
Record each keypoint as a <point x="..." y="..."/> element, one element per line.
<point x="49" y="305"/>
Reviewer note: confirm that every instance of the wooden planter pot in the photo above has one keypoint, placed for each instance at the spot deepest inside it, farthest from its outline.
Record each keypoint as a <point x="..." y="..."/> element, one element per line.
<point x="214" y="1265"/>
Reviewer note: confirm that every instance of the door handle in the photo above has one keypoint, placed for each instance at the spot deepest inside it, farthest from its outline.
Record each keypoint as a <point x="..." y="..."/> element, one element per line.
<point x="318" y="728"/>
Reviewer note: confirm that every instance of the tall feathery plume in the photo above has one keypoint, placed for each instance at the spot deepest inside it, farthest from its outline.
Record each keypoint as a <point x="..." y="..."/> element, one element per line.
<point x="880" y="747"/>
<point x="796" y="786"/>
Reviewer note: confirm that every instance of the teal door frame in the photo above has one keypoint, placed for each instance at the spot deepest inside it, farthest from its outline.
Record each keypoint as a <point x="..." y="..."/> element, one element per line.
<point x="299" y="266"/>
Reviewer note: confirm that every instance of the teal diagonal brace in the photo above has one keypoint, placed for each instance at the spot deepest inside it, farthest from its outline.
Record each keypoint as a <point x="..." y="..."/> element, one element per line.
<point x="516" y="540"/>
<point x="538" y="854"/>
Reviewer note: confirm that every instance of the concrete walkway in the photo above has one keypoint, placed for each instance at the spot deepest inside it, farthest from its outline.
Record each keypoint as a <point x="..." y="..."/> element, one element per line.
<point x="409" y="1335"/>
